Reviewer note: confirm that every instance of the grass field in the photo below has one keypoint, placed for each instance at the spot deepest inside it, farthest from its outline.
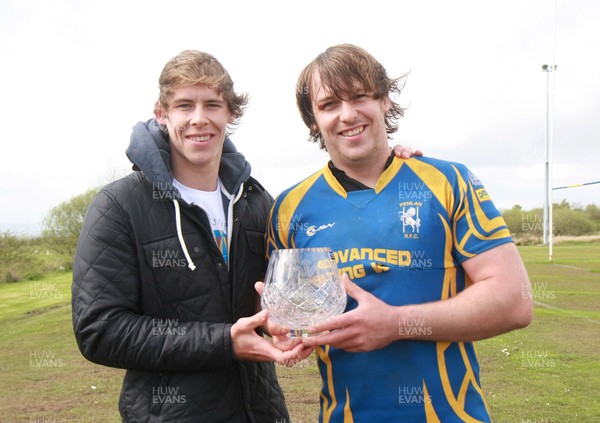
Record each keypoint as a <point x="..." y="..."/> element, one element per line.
<point x="547" y="372"/>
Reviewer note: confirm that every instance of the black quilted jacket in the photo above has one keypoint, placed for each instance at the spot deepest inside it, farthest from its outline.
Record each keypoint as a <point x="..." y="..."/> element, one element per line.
<point x="138" y="305"/>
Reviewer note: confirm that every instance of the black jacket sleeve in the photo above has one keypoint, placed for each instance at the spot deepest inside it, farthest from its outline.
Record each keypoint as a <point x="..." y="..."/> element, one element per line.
<point x="109" y="326"/>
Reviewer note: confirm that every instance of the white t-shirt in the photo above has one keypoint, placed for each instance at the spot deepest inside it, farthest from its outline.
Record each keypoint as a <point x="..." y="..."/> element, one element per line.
<point x="212" y="203"/>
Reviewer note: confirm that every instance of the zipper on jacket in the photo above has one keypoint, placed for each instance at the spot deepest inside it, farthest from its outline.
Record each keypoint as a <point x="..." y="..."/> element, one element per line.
<point x="230" y="216"/>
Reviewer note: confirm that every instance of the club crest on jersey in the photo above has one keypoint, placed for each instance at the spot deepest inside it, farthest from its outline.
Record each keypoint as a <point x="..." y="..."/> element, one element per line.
<point x="409" y="216"/>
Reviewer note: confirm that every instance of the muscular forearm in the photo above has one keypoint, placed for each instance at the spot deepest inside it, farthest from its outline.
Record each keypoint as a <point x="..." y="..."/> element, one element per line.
<point x="498" y="301"/>
<point x="484" y="310"/>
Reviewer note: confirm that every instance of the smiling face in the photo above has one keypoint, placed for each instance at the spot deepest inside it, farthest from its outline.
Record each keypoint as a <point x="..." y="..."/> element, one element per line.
<point x="353" y="128"/>
<point x="196" y="119"/>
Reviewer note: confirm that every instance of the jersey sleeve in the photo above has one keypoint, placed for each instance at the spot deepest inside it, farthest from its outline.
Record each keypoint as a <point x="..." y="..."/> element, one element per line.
<point x="477" y="224"/>
<point x="277" y="231"/>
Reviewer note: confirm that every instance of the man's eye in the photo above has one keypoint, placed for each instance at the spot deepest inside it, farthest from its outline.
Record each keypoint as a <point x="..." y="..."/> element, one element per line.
<point x="328" y="105"/>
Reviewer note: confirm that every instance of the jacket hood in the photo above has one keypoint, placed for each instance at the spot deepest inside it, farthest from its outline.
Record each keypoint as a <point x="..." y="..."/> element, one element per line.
<point x="149" y="152"/>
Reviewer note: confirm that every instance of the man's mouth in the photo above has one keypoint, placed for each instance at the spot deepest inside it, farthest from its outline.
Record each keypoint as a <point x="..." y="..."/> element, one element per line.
<point x="353" y="132"/>
<point x="198" y="138"/>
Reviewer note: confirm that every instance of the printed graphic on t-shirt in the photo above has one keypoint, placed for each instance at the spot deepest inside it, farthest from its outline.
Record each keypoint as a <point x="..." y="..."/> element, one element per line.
<point x="221" y="238"/>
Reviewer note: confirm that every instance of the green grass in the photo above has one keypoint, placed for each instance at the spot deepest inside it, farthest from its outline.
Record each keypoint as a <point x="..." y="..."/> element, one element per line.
<point x="44" y="377"/>
<point x="544" y="373"/>
<point x="548" y="371"/>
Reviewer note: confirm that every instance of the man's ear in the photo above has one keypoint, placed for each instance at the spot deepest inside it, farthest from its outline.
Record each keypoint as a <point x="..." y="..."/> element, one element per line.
<point x="159" y="113"/>
<point x="387" y="103"/>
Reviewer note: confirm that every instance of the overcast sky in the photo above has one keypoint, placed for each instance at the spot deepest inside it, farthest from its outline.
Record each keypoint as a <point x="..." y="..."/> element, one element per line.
<point x="75" y="76"/>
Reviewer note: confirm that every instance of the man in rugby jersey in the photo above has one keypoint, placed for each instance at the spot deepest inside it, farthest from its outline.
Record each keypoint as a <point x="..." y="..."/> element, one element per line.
<point x="429" y="265"/>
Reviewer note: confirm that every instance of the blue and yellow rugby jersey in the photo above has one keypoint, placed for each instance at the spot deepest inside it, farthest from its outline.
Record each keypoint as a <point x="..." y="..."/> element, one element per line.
<point x="403" y="242"/>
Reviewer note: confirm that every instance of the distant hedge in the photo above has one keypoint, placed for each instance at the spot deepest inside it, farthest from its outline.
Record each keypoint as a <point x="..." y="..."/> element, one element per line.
<point x="567" y="219"/>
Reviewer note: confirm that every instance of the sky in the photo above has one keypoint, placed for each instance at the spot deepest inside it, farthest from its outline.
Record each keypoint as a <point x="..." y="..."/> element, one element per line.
<point x="76" y="75"/>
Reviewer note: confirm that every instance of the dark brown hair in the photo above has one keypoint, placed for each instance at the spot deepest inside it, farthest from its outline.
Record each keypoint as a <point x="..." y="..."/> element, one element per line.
<point x="341" y="68"/>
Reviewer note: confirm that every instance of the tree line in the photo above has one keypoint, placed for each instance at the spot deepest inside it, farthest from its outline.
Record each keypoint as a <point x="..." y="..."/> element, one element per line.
<point x="28" y="258"/>
<point x="567" y="220"/>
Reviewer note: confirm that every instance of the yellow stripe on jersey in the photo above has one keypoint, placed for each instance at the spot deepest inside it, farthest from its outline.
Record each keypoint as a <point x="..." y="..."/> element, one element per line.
<point x="288" y="207"/>
<point x="435" y="180"/>
<point x="327" y="409"/>
<point x="488" y="225"/>
<point x="347" y="410"/>
<point x="457" y="403"/>
<point x="430" y="414"/>
<point x="333" y="182"/>
<point x="487" y="409"/>
<point x="459" y="244"/>
<point x="450" y="273"/>
<point x="388" y="174"/>
<point x="449" y="289"/>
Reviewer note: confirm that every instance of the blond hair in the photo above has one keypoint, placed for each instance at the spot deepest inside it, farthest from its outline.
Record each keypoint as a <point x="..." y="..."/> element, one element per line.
<point x="192" y="67"/>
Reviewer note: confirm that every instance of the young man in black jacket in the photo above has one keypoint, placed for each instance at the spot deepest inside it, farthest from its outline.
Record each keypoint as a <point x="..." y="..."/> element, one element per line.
<point x="163" y="280"/>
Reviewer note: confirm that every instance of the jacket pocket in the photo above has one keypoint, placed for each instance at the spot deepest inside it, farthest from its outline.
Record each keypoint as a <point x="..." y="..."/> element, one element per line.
<point x="143" y="395"/>
<point x="168" y="254"/>
<point x="256" y="241"/>
<point x="167" y="265"/>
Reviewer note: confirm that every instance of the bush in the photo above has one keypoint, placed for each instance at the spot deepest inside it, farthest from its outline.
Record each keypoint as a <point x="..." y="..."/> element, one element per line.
<point x="63" y="223"/>
<point x="572" y="222"/>
<point x="19" y="259"/>
<point x="592" y="211"/>
<point x="527" y="225"/>
<point x="513" y="219"/>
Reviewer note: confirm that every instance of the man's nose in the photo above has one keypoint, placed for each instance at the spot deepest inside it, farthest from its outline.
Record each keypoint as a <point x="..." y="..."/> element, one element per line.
<point x="347" y="112"/>
<point x="198" y="116"/>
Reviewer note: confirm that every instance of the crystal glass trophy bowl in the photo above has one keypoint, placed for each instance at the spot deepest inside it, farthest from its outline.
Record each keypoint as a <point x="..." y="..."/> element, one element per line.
<point x="303" y="287"/>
